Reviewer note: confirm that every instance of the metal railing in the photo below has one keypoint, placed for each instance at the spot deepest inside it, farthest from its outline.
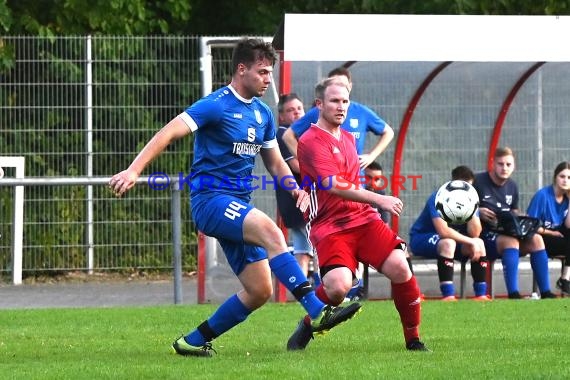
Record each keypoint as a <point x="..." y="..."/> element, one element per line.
<point x="98" y="181"/>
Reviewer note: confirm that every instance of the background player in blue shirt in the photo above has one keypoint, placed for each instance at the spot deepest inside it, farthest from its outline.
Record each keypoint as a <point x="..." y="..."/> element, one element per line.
<point x="432" y="237"/>
<point x="359" y="121"/>
<point x="550" y="204"/>
<point x="230" y="127"/>
<point x="498" y="192"/>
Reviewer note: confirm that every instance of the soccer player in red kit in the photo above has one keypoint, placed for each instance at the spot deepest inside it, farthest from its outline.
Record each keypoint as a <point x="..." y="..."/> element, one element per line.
<point x="344" y="227"/>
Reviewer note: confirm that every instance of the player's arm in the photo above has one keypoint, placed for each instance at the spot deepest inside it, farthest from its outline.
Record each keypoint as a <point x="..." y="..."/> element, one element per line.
<point x="125" y="180"/>
<point x="294" y="165"/>
<point x="385" y="138"/>
<point x="446" y="232"/>
<point x="474" y="227"/>
<point x="337" y="185"/>
<point x="290" y="140"/>
<point x="278" y="168"/>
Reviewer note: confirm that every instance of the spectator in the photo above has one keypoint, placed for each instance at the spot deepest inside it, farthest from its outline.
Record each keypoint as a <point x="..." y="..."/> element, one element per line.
<point x="499" y="193"/>
<point x="290" y="108"/>
<point x="550" y="204"/>
<point x="432" y="237"/>
<point x="345" y="229"/>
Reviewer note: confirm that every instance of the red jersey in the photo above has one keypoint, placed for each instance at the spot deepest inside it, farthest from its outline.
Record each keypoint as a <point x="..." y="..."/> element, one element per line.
<point x="322" y="155"/>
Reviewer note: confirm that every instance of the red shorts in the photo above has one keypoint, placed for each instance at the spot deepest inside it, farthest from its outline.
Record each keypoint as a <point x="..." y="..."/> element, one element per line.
<point x="369" y="244"/>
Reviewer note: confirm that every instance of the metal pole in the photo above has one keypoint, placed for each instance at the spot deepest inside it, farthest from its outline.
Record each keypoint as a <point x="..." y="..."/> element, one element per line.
<point x="89" y="233"/>
<point x="176" y="241"/>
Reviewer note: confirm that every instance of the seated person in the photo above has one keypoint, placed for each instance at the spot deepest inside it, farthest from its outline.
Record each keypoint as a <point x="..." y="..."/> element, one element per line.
<point x="550" y="204"/>
<point x="499" y="193"/>
<point x="432" y="237"/>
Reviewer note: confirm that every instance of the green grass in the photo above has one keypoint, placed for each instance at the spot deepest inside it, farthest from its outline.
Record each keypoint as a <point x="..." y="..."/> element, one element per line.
<point x="470" y="340"/>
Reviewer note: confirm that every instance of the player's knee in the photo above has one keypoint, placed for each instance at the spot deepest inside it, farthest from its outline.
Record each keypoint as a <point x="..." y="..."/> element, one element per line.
<point x="401" y="273"/>
<point x="261" y="294"/>
<point x="337" y="288"/>
<point x="272" y="239"/>
<point x="446" y="247"/>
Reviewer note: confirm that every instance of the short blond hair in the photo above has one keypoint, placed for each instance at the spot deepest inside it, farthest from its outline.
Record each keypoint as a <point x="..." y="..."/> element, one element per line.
<point x="503" y="152"/>
<point x="324" y="84"/>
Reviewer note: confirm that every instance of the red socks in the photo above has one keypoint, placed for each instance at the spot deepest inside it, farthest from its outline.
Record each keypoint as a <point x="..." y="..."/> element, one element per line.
<point x="407" y="301"/>
<point x="322" y="295"/>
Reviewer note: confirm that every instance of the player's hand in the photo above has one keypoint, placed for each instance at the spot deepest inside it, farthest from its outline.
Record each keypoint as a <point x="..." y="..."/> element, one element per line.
<point x="477" y="249"/>
<point x="488" y="216"/>
<point x="393" y="205"/>
<point x="302" y="198"/>
<point x="121" y="182"/>
<point x="365" y="160"/>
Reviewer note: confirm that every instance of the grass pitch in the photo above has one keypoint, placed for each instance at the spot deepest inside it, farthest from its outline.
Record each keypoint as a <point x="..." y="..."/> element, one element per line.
<point x="520" y="339"/>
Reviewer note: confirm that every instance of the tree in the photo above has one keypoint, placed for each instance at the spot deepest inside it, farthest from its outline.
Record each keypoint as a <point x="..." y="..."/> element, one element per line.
<point x="243" y="17"/>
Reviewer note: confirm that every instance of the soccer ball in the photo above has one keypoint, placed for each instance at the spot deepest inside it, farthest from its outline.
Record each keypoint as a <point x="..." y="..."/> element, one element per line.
<point x="456" y="202"/>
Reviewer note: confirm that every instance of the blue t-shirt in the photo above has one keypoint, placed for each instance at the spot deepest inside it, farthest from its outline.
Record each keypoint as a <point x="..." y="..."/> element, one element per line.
<point x="424" y="223"/>
<point x="543" y="206"/>
<point x="359" y="120"/>
<point x="229" y="131"/>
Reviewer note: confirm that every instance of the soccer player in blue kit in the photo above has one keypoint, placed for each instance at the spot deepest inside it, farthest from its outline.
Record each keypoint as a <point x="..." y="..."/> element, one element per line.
<point x="432" y="237"/>
<point x="231" y="126"/>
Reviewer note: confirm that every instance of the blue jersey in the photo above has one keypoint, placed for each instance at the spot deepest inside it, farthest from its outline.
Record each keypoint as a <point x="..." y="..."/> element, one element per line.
<point x="229" y="131"/>
<point x="424" y="222"/>
<point x="543" y="206"/>
<point x="359" y="120"/>
<point x="494" y="197"/>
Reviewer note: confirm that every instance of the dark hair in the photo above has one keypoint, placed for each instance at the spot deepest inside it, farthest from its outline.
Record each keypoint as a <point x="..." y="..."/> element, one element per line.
<point x="374" y="166"/>
<point x="342" y="71"/>
<point x="285" y="98"/>
<point x="561" y="166"/>
<point x="463" y="173"/>
<point x="250" y="50"/>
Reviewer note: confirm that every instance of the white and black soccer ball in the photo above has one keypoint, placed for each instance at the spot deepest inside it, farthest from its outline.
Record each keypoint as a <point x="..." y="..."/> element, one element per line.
<point x="456" y="202"/>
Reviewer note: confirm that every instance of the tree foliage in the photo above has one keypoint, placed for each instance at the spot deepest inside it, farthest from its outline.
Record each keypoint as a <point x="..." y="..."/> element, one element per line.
<point x="241" y="17"/>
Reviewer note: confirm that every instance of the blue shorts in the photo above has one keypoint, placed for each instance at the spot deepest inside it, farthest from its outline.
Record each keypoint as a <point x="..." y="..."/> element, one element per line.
<point x="425" y="245"/>
<point x="490" y="240"/>
<point x="221" y="216"/>
<point x="301" y="243"/>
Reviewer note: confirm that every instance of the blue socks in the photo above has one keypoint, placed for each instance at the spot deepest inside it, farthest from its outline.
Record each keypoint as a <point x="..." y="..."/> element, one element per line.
<point x="480" y="289"/>
<point x="539" y="264"/>
<point x="288" y="271"/>
<point x="447" y="289"/>
<point x="229" y="314"/>
<point x="510" y="262"/>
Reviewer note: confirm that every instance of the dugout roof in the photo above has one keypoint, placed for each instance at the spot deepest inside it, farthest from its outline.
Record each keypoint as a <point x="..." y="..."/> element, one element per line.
<point x="453" y="88"/>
